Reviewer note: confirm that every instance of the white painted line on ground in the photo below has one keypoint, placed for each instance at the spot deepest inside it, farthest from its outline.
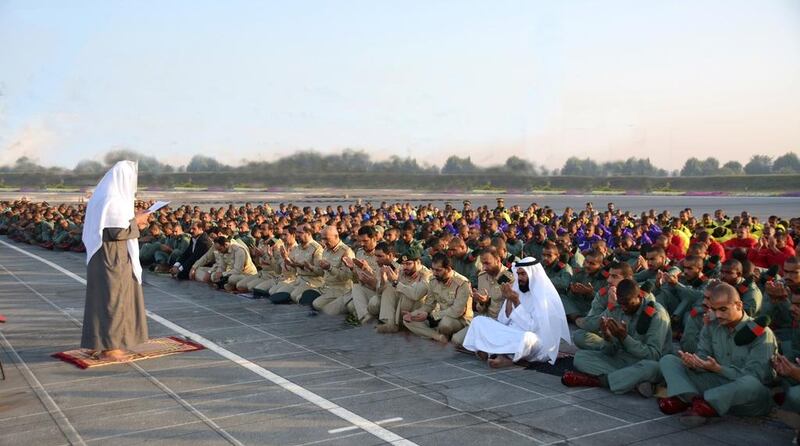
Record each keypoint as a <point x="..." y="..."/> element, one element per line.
<point x="188" y="406"/>
<point x="350" y="428"/>
<point x="58" y="416"/>
<point x="352" y="418"/>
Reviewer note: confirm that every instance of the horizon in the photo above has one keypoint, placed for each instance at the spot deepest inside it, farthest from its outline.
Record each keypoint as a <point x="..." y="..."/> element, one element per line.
<point x="540" y="80"/>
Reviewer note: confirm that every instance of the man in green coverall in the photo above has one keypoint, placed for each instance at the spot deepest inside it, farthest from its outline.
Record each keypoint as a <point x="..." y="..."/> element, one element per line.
<point x="731" y="369"/>
<point x="637" y="334"/>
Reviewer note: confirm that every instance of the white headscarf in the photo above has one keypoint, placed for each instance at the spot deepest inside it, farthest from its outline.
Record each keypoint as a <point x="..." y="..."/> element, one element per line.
<point x="111" y="206"/>
<point x="542" y="304"/>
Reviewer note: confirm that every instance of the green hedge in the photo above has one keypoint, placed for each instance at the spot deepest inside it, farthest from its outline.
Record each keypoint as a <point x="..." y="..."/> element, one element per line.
<point x="440" y="182"/>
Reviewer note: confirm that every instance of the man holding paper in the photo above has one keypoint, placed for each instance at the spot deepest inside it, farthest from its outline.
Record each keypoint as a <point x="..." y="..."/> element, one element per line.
<point x="114" y="317"/>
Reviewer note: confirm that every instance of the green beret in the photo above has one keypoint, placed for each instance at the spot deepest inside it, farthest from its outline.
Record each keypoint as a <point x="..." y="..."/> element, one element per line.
<point x="414" y="252"/>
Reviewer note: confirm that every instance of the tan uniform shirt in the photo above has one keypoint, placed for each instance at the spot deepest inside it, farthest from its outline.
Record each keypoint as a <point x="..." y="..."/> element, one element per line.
<point x="338" y="277"/>
<point x="238" y="260"/>
<point x="311" y="253"/>
<point x="491" y="284"/>
<point x="453" y="299"/>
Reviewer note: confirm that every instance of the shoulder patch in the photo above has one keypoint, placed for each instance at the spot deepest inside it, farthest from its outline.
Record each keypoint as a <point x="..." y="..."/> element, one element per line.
<point x="603" y="291"/>
<point x="643" y="324"/>
<point x="752" y="330"/>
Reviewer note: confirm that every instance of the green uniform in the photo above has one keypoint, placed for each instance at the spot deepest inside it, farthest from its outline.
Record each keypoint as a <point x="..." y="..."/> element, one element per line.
<point x="712" y="267"/>
<point x="45" y="231"/>
<point x="533" y="249"/>
<point x="147" y="253"/>
<point x="581" y="304"/>
<point x="684" y="295"/>
<point x="178" y="245"/>
<point x="468" y="266"/>
<point x="740" y="387"/>
<point x="750" y="295"/>
<point x="560" y="274"/>
<point x="515" y="247"/>
<point x="647" y="279"/>
<point x="792" y="387"/>
<point x="635" y="359"/>
<point x="629" y="257"/>
<point x="587" y="337"/>
<point x="246" y="238"/>
<point x="692" y="326"/>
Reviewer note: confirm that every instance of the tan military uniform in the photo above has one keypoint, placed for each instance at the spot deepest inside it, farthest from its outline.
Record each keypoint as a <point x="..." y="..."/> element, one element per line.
<point x="305" y="279"/>
<point x="493" y="286"/>
<point x="449" y="305"/>
<point x="270" y="263"/>
<point x="364" y="297"/>
<point x="210" y="262"/>
<point x="241" y="264"/>
<point x="408" y="295"/>
<point x="338" y="281"/>
<point x="288" y="276"/>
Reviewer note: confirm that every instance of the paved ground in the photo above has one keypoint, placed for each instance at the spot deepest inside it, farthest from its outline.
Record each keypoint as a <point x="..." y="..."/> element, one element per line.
<point x="298" y="380"/>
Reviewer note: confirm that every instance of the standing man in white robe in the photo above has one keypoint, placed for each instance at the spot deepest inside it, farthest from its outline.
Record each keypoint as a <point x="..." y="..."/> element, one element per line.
<point x="530" y="324"/>
<point x="114" y="317"/>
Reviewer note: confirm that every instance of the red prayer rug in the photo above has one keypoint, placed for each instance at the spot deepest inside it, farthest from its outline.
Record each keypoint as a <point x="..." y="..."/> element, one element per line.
<point x="153" y="348"/>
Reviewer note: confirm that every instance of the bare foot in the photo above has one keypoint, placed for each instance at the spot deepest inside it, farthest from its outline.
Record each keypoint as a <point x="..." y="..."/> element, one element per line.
<point x="114" y="355"/>
<point x="483" y="356"/>
<point x="500" y="361"/>
<point x="442" y="339"/>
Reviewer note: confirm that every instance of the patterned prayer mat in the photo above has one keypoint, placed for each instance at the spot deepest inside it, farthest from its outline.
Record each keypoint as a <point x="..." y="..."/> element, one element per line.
<point x="153" y="348"/>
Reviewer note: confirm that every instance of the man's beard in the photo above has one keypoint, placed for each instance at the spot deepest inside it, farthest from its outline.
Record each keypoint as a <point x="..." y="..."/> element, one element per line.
<point x="524" y="287"/>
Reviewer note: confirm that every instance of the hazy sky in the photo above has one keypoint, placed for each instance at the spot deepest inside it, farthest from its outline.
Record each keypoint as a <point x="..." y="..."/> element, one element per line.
<point x="541" y="80"/>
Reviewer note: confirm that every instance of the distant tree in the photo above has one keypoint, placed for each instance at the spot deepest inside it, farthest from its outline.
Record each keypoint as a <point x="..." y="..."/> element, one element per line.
<point x="519" y="166"/>
<point x="787" y="163"/>
<point x="88" y="167"/>
<point x="710" y="166"/>
<point x="580" y="167"/>
<point x="202" y="163"/>
<point x="758" y="165"/>
<point x="732" y="168"/>
<point x="147" y="164"/>
<point x="26" y="165"/>
<point x="455" y="164"/>
<point x="693" y="167"/>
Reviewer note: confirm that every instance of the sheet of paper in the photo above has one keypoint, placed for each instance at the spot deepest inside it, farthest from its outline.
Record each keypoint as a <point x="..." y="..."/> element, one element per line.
<point x="157" y="205"/>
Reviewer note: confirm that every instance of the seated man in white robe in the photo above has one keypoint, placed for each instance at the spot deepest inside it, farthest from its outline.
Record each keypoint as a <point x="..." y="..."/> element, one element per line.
<point x="530" y="324"/>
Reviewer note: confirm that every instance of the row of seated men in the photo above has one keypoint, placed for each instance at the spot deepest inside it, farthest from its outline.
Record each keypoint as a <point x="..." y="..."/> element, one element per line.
<point x="389" y="283"/>
<point x="725" y="324"/>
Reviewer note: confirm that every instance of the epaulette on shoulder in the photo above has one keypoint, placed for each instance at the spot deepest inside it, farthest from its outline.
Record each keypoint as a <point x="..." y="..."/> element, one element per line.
<point x="752" y="330"/>
<point x="769" y="274"/>
<point x="694" y="312"/>
<point x="646" y="318"/>
<point x="603" y="291"/>
<point x="698" y="281"/>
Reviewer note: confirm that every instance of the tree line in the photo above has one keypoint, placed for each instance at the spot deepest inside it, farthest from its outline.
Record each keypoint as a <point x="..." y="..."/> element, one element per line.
<point x="356" y="161"/>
